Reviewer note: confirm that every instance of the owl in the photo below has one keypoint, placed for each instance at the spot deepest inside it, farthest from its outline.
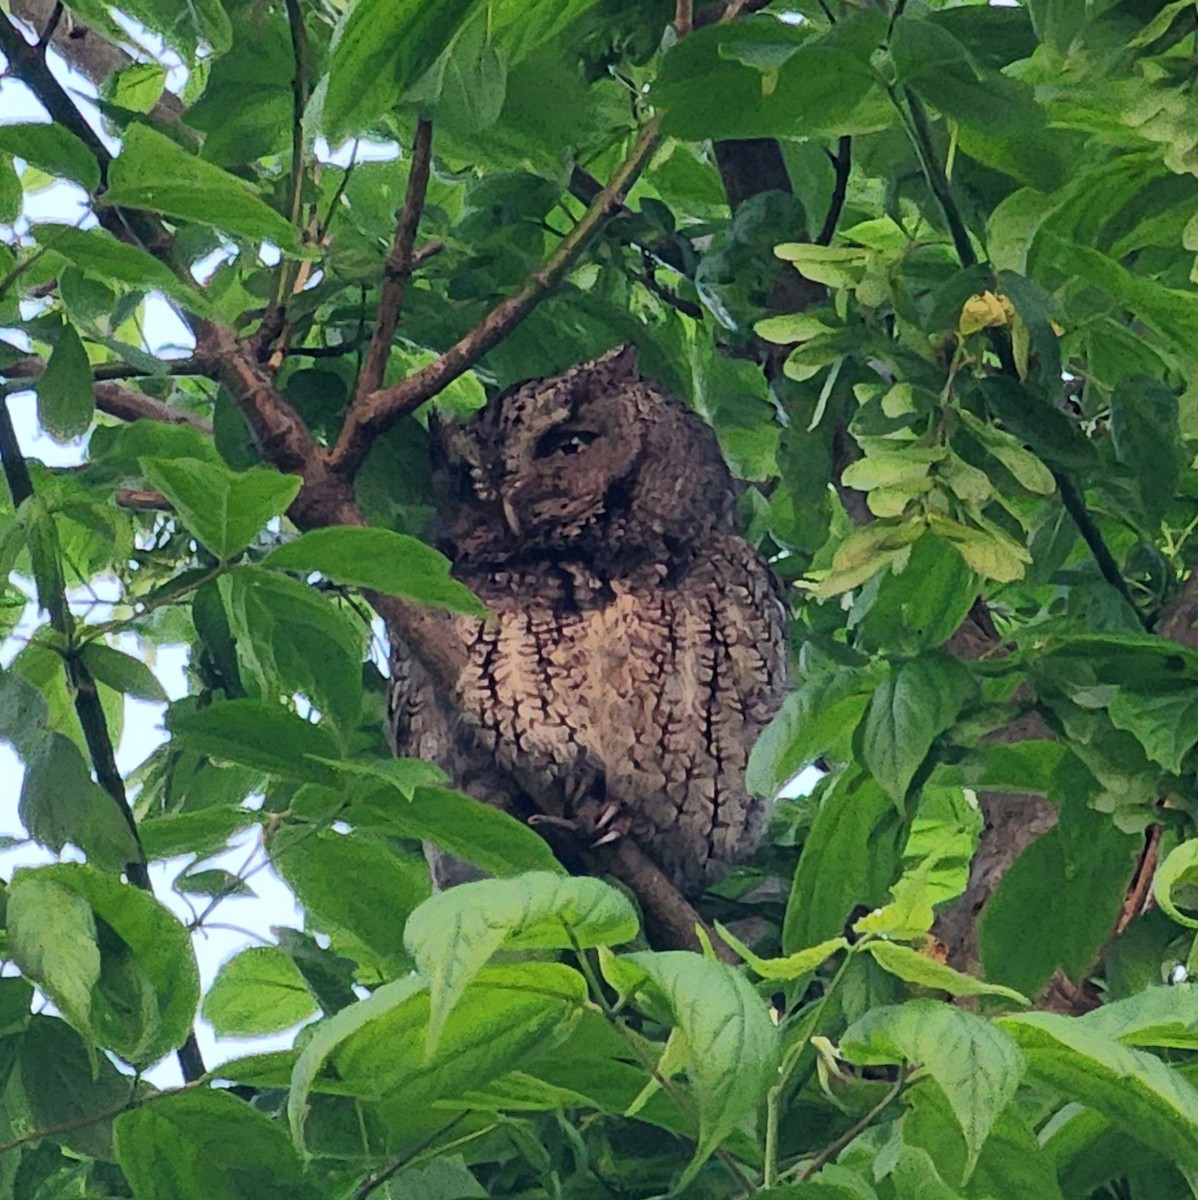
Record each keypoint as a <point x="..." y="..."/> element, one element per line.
<point x="637" y="642"/>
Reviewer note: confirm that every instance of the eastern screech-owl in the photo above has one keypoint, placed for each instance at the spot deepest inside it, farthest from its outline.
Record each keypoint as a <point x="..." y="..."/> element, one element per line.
<point x="638" y="645"/>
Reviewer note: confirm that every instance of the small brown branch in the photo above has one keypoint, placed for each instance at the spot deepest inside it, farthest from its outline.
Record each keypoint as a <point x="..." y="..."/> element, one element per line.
<point x="684" y="17"/>
<point x="380" y="410"/>
<point x="400" y="264"/>
<point x="842" y="162"/>
<point x="142" y="500"/>
<point x="128" y="405"/>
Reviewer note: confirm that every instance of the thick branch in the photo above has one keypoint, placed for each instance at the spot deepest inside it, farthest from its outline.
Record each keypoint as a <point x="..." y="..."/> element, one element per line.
<point x="400" y="264"/>
<point x="381" y="409"/>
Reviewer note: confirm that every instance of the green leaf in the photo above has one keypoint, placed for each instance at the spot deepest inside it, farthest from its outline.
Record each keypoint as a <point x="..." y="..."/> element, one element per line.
<point x="921" y="606"/>
<point x="1178" y="871"/>
<point x="757" y="79"/>
<point x="909" y="965"/>
<point x="202" y="832"/>
<point x="454" y="934"/>
<point x="61" y="804"/>
<point x="509" y="1016"/>
<point x="1147" y="437"/>
<point x="267" y="737"/>
<point x="224" y="509"/>
<point x="65" y="401"/>
<point x="1026" y="467"/>
<point x="732" y="1043"/>
<point x="52" y="939"/>
<point x="364" y="921"/>
<point x="974" y="1063"/>
<point x="1166" y="1017"/>
<point x="1058" y="902"/>
<point x="122" y="672"/>
<point x="1164" y="721"/>
<point x="380" y="48"/>
<point x="813" y="720"/>
<point x="379" y="559"/>
<point x="154" y="173"/>
<point x="52" y="149"/>
<point x="460" y="825"/>
<point x="793" y="966"/>
<point x="291" y="639"/>
<point x="98" y="252"/>
<point x="912" y="706"/>
<point x="857" y="829"/>
<point x="207" y="1145"/>
<point x="1131" y="1088"/>
<point x="258" y="991"/>
<point x="397" y="996"/>
<point x="119" y="966"/>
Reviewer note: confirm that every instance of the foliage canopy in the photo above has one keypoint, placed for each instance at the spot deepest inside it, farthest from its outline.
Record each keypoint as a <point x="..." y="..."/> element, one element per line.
<point x="928" y="268"/>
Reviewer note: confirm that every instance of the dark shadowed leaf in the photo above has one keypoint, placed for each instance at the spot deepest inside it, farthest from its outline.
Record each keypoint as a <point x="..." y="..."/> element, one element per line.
<point x="64" y="1081"/>
<point x="65" y="403"/>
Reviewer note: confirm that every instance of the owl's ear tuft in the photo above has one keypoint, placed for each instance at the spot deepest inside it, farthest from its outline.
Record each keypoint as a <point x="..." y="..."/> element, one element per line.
<point x="615" y="367"/>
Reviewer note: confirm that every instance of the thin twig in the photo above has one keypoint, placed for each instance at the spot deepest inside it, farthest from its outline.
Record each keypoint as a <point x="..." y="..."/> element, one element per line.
<point x="322" y="228"/>
<point x="684" y="17"/>
<point x="400" y="264"/>
<point x="842" y="162"/>
<point x="826" y="1155"/>
<point x="380" y="410"/>
<point x="372" y="1182"/>
<point x="920" y="129"/>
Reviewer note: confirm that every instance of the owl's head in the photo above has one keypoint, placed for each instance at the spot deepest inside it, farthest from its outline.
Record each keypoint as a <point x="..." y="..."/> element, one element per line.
<point x="597" y="464"/>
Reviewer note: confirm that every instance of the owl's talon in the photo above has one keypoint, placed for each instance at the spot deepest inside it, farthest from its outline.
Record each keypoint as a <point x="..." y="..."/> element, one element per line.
<point x="612" y="835"/>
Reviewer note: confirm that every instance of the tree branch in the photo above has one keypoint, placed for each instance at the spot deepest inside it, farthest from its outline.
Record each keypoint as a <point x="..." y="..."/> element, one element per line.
<point x="27" y="62"/>
<point x="86" y="700"/>
<point x="842" y="162"/>
<point x="380" y="410"/>
<point x="400" y="264"/>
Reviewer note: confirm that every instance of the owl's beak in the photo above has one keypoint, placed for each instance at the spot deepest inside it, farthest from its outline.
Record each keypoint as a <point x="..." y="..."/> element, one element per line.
<point x="509" y="513"/>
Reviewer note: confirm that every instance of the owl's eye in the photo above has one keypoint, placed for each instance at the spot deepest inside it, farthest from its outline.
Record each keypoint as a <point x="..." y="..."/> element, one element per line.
<point x="564" y="441"/>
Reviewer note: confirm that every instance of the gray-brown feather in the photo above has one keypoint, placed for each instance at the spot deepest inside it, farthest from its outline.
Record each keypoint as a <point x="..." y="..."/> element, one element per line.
<point x="637" y="645"/>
